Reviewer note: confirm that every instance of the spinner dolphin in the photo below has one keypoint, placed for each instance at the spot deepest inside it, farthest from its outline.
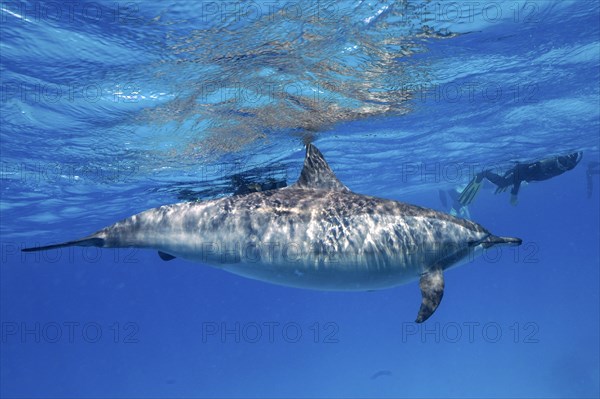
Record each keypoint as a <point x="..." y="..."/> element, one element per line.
<point x="313" y="234"/>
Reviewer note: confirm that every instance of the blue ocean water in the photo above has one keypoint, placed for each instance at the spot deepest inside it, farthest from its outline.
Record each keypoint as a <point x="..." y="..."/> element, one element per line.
<point x="110" y="108"/>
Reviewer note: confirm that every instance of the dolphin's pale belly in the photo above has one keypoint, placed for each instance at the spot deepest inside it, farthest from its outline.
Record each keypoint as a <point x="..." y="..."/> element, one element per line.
<point x="330" y="279"/>
<point x="311" y="239"/>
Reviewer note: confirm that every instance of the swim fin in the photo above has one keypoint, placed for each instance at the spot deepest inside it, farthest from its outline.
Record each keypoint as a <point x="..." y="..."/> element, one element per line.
<point x="470" y="192"/>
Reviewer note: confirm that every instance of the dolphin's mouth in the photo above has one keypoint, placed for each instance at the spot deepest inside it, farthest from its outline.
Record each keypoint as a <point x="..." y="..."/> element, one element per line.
<point x="492" y="240"/>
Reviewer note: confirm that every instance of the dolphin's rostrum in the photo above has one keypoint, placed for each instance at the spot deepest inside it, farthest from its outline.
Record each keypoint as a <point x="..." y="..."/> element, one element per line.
<point x="313" y="234"/>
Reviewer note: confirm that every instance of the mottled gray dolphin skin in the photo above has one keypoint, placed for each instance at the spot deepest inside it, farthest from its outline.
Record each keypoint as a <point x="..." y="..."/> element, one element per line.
<point x="313" y="234"/>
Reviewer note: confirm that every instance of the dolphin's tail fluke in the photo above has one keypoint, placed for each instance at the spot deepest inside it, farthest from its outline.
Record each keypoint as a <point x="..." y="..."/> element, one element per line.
<point x="84" y="242"/>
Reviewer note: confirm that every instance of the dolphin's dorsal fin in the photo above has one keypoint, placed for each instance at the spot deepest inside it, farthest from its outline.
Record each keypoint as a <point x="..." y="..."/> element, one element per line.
<point x="316" y="173"/>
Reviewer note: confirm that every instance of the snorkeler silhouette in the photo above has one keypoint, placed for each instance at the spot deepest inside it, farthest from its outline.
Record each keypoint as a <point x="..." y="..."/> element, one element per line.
<point x="521" y="172"/>
<point x="592" y="169"/>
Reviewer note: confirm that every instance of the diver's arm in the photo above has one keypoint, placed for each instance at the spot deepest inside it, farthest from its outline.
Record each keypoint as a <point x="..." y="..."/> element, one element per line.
<point x="516" y="187"/>
<point x="514" y="192"/>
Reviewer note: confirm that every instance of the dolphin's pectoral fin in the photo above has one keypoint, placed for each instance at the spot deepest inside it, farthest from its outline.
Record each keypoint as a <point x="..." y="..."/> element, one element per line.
<point x="165" y="256"/>
<point x="432" y="291"/>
